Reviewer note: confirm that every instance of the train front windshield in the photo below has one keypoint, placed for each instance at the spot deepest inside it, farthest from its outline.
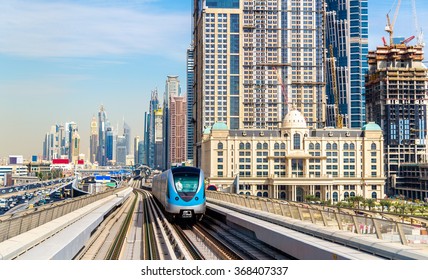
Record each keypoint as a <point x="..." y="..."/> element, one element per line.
<point x="186" y="184"/>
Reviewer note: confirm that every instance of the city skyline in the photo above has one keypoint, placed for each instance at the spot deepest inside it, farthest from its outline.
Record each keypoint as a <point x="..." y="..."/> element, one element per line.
<point x="53" y="72"/>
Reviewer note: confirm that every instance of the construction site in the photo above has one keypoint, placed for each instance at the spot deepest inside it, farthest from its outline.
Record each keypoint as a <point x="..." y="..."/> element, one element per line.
<point x="396" y="99"/>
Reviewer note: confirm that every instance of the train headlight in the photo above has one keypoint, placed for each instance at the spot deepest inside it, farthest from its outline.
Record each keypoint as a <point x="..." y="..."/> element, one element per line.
<point x="176" y="198"/>
<point x="196" y="198"/>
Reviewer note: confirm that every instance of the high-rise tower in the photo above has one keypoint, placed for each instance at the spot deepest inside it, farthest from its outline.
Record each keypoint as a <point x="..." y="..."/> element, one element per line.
<point x="254" y="60"/>
<point x="396" y="96"/>
<point x="102" y="128"/>
<point x="190" y="73"/>
<point x="346" y="32"/>
<point x="93" y="140"/>
<point x="172" y="90"/>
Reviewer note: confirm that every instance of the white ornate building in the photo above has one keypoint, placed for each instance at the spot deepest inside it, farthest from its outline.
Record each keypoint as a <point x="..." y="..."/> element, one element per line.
<point x="296" y="161"/>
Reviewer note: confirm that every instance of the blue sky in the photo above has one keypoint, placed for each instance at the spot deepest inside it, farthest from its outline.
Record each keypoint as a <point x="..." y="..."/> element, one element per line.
<point x="60" y="60"/>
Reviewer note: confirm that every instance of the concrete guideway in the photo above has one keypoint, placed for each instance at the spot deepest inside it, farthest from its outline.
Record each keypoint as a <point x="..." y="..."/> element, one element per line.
<point x="308" y="241"/>
<point x="63" y="237"/>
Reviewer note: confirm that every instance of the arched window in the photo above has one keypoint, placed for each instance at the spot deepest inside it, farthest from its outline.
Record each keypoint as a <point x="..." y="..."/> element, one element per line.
<point x="241" y="146"/>
<point x="259" y="194"/>
<point x="296" y="141"/>
<point x="276" y="146"/>
<point x="265" y="146"/>
<point x="241" y="192"/>
<point x="352" y="146"/>
<point x="374" y="195"/>
<point x="283" y="195"/>
<point x="335" y="146"/>
<point x="345" y="195"/>
<point x="311" y="146"/>
<point x="220" y="146"/>
<point x="318" y="195"/>
<point x="317" y="146"/>
<point x="248" y="146"/>
<point x="328" y="146"/>
<point x="282" y="146"/>
<point x="352" y="194"/>
<point x="247" y="193"/>
<point x="373" y="146"/>
<point x="345" y="146"/>
<point x="265" y="194"/>
<point x="259" y="146"/>
<point x="335" y="196"/>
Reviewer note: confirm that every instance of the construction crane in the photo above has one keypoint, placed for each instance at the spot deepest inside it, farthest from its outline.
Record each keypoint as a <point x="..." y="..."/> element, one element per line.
<point x="284" y="95"/>
<point x="408" y="40"/>
<point x="339" y="120"/>
<point x="420" y="35"/>
<point x="390" y="25"/>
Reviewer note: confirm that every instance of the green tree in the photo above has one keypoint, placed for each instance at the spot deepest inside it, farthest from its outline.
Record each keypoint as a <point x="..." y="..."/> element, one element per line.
<point x="370" y="202"/>
<point x="412" y="209"/>
<point x="358" y="200"/>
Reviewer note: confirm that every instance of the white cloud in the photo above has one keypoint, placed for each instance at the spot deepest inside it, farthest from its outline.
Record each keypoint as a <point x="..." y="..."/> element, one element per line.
<point x="71" y="30"/>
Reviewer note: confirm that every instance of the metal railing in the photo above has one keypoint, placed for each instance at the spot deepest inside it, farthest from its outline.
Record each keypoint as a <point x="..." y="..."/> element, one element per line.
<point x="380" y="228"/>
<point x="14" y="224"/>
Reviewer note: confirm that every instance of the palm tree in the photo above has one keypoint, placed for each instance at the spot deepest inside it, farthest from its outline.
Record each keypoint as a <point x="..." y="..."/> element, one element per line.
<point x="422" y="210"/>
<point x="412" y="209"/>
<point x="358" y="200"/>
<point x="370" y="202"/>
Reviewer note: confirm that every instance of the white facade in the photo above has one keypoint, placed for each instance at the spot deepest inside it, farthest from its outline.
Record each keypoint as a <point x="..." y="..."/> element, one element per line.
<point x="295" y="161"/>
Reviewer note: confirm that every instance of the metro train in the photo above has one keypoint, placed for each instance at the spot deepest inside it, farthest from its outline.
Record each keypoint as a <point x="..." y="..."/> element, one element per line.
<point x="181" y="192"/>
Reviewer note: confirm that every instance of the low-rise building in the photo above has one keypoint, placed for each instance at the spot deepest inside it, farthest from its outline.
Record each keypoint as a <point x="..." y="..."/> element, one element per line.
<point x="296" y="161"/>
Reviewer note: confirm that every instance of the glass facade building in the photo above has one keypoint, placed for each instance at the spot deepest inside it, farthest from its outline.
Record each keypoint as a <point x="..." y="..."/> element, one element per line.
<point x="346" y="32"/>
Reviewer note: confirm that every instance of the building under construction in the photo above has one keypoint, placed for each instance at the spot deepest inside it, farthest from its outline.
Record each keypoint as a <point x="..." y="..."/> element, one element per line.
<point x="396" y="99"/>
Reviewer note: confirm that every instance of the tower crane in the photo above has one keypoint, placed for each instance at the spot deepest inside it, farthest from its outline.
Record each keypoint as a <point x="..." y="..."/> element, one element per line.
<point x="339" y="120"/>
<point x="284" y="95"/>
<point x="390" y="24"/>
<point x="420" y="35"/>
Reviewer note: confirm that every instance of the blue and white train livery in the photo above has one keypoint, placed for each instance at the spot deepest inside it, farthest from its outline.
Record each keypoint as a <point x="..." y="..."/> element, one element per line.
<point x="181" y="192"/>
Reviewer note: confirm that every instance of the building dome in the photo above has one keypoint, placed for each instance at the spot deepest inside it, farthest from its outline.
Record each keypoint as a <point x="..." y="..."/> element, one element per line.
<point x="371" y="126"/>
<point x="294" y="119"/>
<point x="207" y="130"/>
<point x="220" y="126"/>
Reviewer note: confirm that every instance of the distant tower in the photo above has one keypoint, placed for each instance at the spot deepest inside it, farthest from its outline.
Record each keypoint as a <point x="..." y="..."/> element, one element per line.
<point x="75" y="146"/>
<point x="158" y="140"/>
<point x="190" y="100"/>
<point x="136" y="147"/>
<point x="121" y="150"/>
<point x="177" y="141"/>
<point x="93" y="145"/>
<point x="102" y="128"/>
<point x="150" y="129"/>
<point x="127" y="135"/>
<point x="172" y="89"/>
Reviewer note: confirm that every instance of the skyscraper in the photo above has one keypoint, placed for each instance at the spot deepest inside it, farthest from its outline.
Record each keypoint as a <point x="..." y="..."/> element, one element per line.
<point x="254" y="60"/>
<point x="136" y="147"/>
<point x="158" y="145"/>
<point x="177" y="140"/>
<point x="110" y="146"/>
<point x="396" y="94"/>
<point x="101" y="153"/>
<point x="127" y="135"/>
<point x="346" y="31"/>
<point x="150" y="132"/>
<point x="121" y="150"/>
<point x="93" y="140"/>
<point x="172" y="89"/>
<point x="74" y="147"/>
<point x="190" y="100"/>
